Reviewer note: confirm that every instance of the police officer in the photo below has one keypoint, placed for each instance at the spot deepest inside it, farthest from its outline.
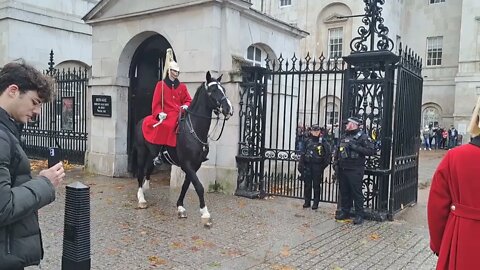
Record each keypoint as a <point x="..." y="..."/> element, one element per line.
<point x="350" y="168"/>
<point x="315" y="158"/>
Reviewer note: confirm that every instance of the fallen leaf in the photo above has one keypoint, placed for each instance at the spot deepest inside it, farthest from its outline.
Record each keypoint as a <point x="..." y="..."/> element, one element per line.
<point x="176" y="245"/>
<point x="112" y="251"/>
<point x="241" y="204"/>
<point x="232" y="252"/>
<point x="282" y="267"/>
<point x="215" y="264"/>
<point x="344" y="221"/>
<point x="154" y="260"/>
<point x="374" y="236"/>
<point x="285" y="251"/>
<point x="67" y="165"/>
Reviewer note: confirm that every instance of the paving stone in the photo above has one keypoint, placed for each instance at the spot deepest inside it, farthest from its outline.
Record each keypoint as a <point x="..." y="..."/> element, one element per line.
<point x="246" y="234"/>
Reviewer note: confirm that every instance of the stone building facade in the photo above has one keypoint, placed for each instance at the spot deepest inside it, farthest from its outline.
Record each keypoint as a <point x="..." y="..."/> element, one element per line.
<point x="30" y="29"/>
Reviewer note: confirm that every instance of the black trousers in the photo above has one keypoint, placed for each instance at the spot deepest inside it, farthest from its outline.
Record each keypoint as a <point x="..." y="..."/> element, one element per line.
<point x="350" y="185"/>
<point x="312" y="177"/>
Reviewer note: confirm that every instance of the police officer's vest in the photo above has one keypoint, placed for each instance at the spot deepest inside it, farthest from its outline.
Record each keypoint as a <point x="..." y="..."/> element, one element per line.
<point x="315" y="151"/>
<point x="343" y="151"/>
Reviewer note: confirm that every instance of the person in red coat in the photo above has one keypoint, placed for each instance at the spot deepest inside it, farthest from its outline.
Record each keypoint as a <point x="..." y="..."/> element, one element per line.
<point x="453" y="207"/>
<point x="170" y="97"/>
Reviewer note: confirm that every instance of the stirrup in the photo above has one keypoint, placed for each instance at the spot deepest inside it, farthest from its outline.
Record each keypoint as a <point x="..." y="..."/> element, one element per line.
<point x="157" y="161"/>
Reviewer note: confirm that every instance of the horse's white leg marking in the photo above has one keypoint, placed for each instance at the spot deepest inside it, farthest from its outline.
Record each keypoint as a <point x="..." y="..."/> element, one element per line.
<point x="146" y="184"/>
<point x="182" y="212"/>
<point x="204" y="212"/>
<point x="142" y="203"/>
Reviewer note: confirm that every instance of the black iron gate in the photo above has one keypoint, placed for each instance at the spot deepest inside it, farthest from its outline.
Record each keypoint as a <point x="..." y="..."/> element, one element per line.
<point x="278" y="103"/>
<point x="62" y="122"/>
<point x="406" y="137"/>
<point x="278" y="98"/>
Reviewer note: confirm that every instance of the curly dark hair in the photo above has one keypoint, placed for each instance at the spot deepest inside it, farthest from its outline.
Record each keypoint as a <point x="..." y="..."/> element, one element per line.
<point x="27" y="78"/>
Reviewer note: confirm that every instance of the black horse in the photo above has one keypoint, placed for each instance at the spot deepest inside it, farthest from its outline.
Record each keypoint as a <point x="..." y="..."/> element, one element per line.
<point x="192" y="143"/>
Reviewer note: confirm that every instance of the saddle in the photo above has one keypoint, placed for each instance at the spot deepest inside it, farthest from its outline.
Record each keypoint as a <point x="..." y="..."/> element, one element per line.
<point x="164" y="157"/>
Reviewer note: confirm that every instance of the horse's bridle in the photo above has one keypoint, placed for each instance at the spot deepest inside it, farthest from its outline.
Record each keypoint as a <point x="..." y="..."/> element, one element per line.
<point x="218" y="103"/>
<point x="216" y="110"/>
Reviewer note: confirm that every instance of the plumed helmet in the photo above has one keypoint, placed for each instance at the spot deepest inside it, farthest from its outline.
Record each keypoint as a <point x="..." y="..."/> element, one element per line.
<point x="168" y="59"/>
<point x="474" y="127"/>
<point x="355" y="120"/>
<point x="174" y="66"/>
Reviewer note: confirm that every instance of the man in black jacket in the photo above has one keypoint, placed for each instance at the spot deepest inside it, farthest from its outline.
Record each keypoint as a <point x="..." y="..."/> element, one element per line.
<point x="350" y="163"/>
<point x="22" y="91"/>
<point x="315" y="157"/>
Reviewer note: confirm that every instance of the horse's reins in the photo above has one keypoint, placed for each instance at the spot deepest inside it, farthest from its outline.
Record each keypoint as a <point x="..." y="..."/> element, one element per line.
<point x="192" y="130"/>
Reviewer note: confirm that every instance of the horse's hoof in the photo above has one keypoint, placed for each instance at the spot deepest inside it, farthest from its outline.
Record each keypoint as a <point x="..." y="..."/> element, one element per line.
<point x="204" y="212"/>
<point x="182" y="212"/>
<point x="207" y="222"/>
<point x="142" y="205"/>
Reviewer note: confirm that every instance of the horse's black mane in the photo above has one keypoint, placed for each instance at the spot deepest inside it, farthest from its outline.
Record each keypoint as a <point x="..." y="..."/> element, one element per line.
<point x="195" y="99"/>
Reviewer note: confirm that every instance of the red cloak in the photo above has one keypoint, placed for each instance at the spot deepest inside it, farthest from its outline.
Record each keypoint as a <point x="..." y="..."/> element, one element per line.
<point x="454" y="209"/>
<point x="173" y="98"/>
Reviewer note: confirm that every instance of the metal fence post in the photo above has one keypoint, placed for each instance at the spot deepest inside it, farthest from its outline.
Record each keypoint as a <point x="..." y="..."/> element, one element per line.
<point x="76" y="233"/>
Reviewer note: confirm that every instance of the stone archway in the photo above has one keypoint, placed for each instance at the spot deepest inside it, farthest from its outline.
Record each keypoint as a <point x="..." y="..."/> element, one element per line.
<point x="431" y="115"/>
<point x="147" y="53"/>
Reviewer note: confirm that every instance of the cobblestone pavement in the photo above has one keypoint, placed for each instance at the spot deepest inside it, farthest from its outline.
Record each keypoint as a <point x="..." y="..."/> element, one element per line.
<point x="275" y="233"/>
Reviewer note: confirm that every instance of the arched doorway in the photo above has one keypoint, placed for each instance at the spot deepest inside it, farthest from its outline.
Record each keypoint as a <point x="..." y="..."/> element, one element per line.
<point x="145" y="71"/>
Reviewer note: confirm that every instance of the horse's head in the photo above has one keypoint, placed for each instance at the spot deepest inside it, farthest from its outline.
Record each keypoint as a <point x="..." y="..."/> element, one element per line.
<point x="216" y="92"/>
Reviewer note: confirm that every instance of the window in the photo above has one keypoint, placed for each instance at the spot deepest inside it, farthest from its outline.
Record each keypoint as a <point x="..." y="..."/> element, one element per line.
<point x="285" y="3"/>
<point x="434" y="51"/>
<point x="335" y="42"/>
<point x="254" y="55"/>
<point x="332" y="113"/>
<point x="431" y="117"/>
<point x="436" y="1"/>
<point x="332" y="118"/>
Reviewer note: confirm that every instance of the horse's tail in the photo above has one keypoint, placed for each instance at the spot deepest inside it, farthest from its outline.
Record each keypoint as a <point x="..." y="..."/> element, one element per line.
<point x="134" y="150"/>
<point x="133" y="161"/>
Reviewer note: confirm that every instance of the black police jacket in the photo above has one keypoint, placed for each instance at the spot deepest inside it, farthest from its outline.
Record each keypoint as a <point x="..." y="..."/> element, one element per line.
<point x="317" y="151"/>
<point x="354" y="147"/>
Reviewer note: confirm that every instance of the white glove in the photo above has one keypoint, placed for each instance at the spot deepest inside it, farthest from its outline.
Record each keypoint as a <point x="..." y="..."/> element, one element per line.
<point x="161" y="116"/>
<point x="184" y="106"/>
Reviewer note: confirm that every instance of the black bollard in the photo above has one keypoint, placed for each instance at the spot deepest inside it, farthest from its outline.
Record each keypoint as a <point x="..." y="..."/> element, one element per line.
<point x="53" y="156"/>
<point x="76" y="232"/>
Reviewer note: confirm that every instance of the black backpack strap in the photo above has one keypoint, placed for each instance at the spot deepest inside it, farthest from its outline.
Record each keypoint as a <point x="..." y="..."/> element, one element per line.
<point x="12" y="168"/>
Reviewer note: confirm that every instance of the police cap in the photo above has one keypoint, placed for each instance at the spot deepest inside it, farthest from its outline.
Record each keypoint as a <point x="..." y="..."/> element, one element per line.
<point x="315" y="127"/>
<point x="355" y="120"/>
